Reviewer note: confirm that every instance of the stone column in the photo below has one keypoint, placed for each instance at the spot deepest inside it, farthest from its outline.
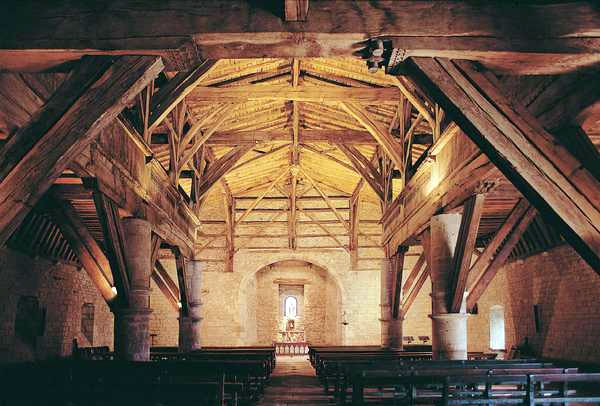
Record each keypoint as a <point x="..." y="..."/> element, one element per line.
<point x="396" y="333"/>
<point x="386" y="303"/>
<point x="132" y="333"/>
<point x="449" y="330"/>
<point x="190" y="324"/>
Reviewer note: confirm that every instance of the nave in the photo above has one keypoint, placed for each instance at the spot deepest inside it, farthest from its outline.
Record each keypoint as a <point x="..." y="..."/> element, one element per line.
<point x="294" y="382"/>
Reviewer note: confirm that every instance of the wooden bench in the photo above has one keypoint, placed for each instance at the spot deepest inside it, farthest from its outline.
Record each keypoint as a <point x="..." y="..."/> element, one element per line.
<point x="117" y="382"/>
<point x="380" y="374"/>
<point x="492" y="389"/>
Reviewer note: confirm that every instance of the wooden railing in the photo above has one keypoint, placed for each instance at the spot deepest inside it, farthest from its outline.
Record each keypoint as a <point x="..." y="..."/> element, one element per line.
<point x="291" y="348"/>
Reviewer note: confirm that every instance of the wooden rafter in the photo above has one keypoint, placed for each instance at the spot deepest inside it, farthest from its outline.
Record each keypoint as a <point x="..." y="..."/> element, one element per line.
<point x="170" y="95"/>
<point x="364" y="167"/>
<point x="463" y="253"/>
<point x="88" y="101"/>
<point x="292" y="218"/>
<point x="328" y="157"/>
<point x="88" y="251"/>
<point x="415" y="101"/>
<point x="301" y="93"/>
<point x="220" y="167"/>
<point x="260" y="157"/>
<point x="327" y="200"/>
<point x="547" y="174"/>
<point x="500" y="257"/>
<point x="108" y="215"/>
<point x="220" y="116"/>
<point x="347" y="136"/>
<point x="381" y="134"/>
<point x="272" y="185"/>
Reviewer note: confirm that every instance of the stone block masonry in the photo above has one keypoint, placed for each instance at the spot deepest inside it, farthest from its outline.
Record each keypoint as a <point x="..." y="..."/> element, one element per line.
<point x="61" y="291"/>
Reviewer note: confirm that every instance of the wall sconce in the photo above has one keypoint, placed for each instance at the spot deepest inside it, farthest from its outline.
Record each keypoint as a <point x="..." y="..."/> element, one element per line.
<point x="344" y="320"/>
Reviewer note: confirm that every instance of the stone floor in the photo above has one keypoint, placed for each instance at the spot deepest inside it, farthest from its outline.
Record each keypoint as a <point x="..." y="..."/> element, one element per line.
<point x="293" y="382"/>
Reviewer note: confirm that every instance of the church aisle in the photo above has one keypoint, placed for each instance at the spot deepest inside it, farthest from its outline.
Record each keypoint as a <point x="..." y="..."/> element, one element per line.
<point x="293" y="382"/>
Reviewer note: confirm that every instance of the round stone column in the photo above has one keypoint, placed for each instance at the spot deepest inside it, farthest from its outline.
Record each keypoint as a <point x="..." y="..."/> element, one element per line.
<point x="190" y="330"/>
<point x="385" y="304"/>
<point x="132" y="332"/>
<point x="449" y="339"/>
<point x="449" y="330"/>
<point x="396" y="333"/>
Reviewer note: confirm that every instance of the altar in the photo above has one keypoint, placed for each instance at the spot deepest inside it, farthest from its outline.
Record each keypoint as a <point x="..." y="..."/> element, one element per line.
<point x="292" y="341"/>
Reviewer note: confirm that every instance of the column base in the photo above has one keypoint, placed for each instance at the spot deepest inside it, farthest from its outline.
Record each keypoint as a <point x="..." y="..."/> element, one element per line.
<point x="449" y="333"/>
<point x="189" y="334"/>
<point x="132" y="334"/>
<point x="385" y="333"/>
<point x="395" y="328"/>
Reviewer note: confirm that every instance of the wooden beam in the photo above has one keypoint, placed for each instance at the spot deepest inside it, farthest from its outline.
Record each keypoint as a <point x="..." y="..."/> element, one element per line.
<point x="88" y="251"/>
<point x="182" y="279"/>
<point x="283" y="135"/>
<point x="260" y="157"/>
<point x="164" y="274"/>
<point x="302" y="93"/>
<point x="378" y="131"/>
<point x="326" y="199"/>
<point x="108" y="215"/>
<point x="155" y="243"/>
<point x="172" y="93"/>
<point x="296" y="10"/>
<point x="467" y="235"/>
<point x="413" y="274"/>
<point x="229" y="204"/>
<point x="220" y="167"/>
<point x="328" y="157"/>
<point x="559" y="37"/>
<point x="500" y="258"/>
<point x="364" y="168"/>
<point x="484" y="259"/>
<point x="163" y="285"/>
<point x="397" y="264"/>
<point x="293" y="215"/>
<point x="355" y="217"/>
<point x="547" y="174"/>
<point x="223" y="114"/>
<point x="425" y="241"/>
<point x="86" y="102"/>
<point x="260" y="197"/>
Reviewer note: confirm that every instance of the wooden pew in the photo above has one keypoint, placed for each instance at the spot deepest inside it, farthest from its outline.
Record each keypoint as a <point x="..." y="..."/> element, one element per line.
<point x="509" y="389"/>
<point x="127" y="383"/>
<point x="378" y="374"/>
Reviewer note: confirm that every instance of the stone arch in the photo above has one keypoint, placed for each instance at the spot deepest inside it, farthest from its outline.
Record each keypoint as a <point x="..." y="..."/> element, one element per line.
<point x="258" y="263"/>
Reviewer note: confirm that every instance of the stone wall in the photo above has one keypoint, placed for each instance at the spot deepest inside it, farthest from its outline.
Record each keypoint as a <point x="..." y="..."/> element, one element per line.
<point x="318" y="302"/>
<point x="61" y="291"/>
<point x="566" y="291"/>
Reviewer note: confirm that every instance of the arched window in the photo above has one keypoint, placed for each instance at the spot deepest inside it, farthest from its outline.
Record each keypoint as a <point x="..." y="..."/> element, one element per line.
<point x="290" y="309"/>
<point x="497" y="328"/>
